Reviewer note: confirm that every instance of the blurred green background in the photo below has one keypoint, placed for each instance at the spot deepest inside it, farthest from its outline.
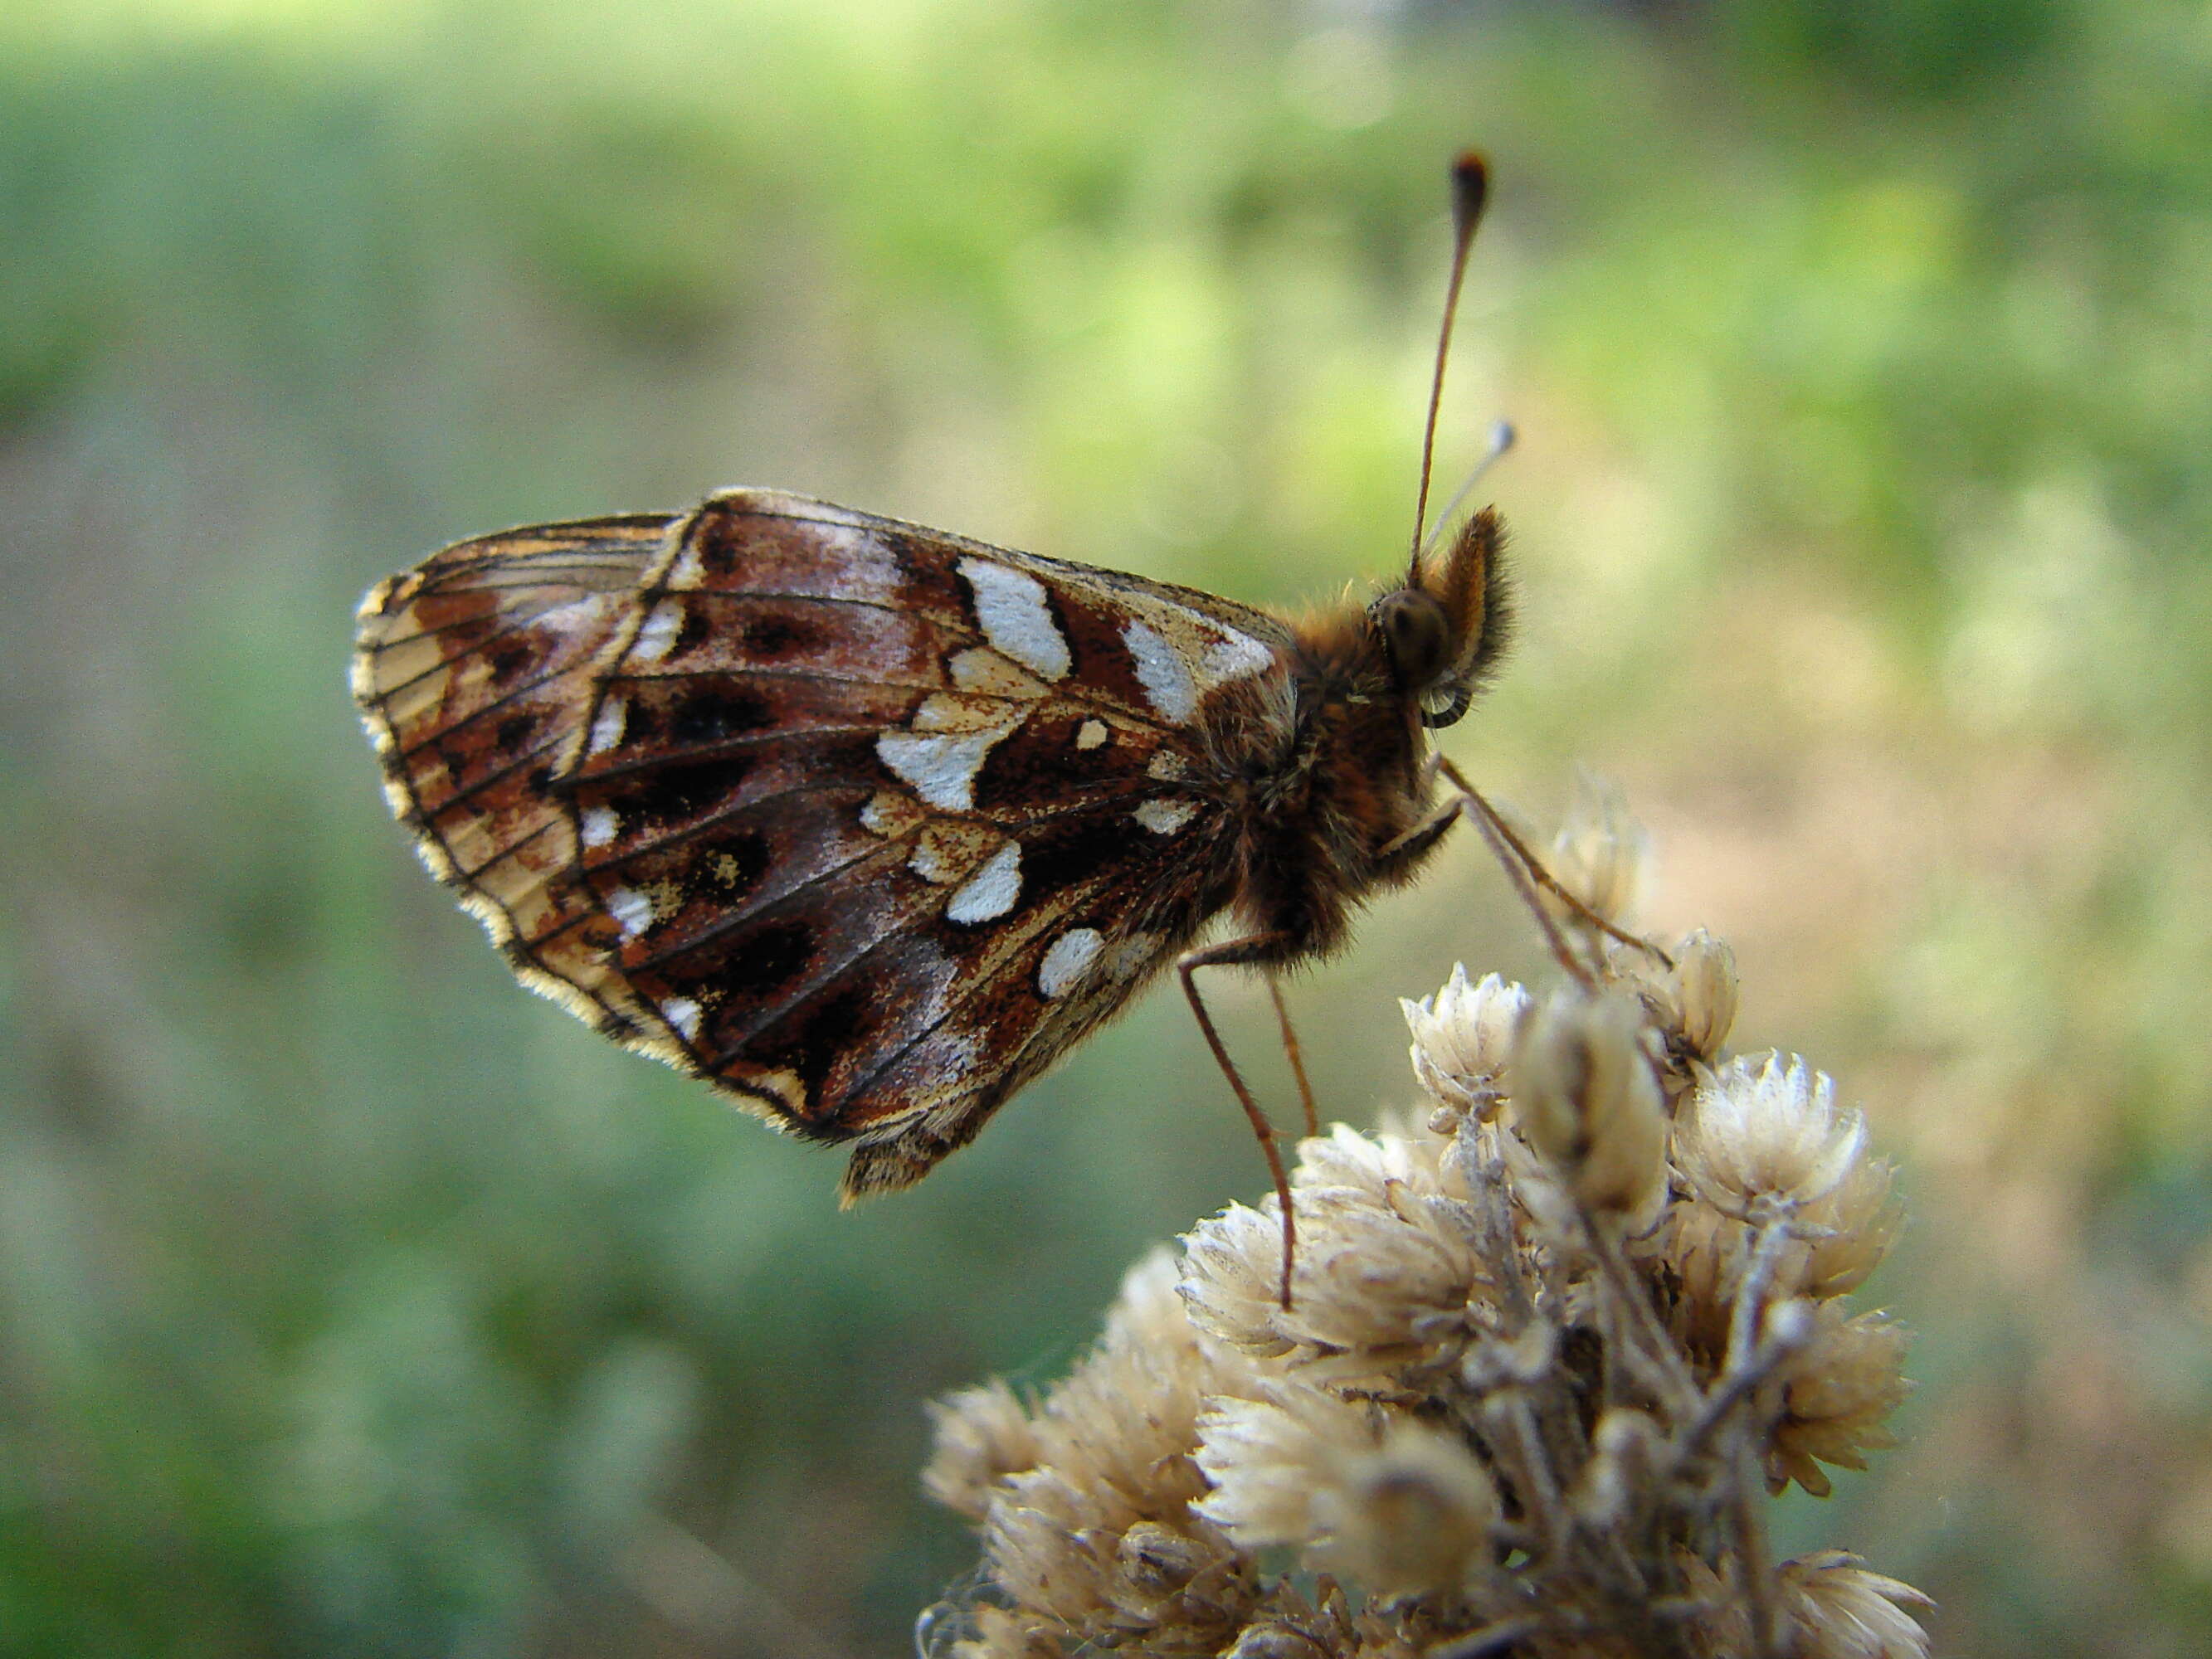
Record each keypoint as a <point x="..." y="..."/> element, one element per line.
<point x="353" y="1301"/>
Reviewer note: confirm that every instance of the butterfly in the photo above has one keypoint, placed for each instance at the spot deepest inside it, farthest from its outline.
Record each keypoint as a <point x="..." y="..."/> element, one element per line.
<point x="866" y="824"/>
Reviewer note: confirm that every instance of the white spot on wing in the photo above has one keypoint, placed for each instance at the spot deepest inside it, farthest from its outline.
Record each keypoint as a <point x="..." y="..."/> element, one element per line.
<point x="864" y="565"/>
<point x="1164" y="817"/>
<point x="683" y="1013"/>
<point x="607" y="728"/>
<point x="1163" y="673"/>
<point x="1090" y="734"/>
<point x="600" y="826"/>
<point x="942" y="767"/>
<point x="631" y="909"/>
<point x="1068" y="960"/>
<point x="659" y="634"/>
<point x="1233" y="658"/>
<point x="992" y="890"/>
<point x="687" y="571"/>
<point x="1010" y="605"/>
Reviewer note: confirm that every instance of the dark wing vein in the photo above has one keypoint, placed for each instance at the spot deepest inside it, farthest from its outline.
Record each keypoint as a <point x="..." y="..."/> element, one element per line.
<point x="759" y="912"/>
<point x="708" y="752"/>
<point x="520" y="624"/>
<point x="490" y="780"/>
<point x="482" y="712"/>
<point x="737" y="814"/>
<point x="1068" y="899"/>
<point x="509" y="851"/>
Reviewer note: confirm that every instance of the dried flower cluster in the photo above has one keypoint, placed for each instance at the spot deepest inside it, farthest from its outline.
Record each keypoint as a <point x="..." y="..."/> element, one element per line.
<point x="1547" y="1354"/>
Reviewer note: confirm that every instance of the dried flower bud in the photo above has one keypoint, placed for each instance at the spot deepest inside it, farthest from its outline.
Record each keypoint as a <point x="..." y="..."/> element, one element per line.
<point x="1773" y="1131"/>
<point x="1706" y="1251"/>
<point x="1841" y="1611"/>
<point x="1850" y="1230"/>
<point x="1397" y="1506"/>
<point x="1588" y="1104"/>
<point x="1831" y="1608"/>
<point x="1159" y="1560"/>
<point x="1704" y="983"/>
<point x="983" y="1435"/>
<point x="1842" y="1387"/>
<point x="1001" y="1633"/>
<point x="1268" y="1457"/>
<point x="1463" y="1037"/>
<point x="1037" y="1537"/>
<point x="1601" y="852"/>
<point x="1386" y="1262"/>
<point x="1272" y="1640"/>
<point x="1232" y="1279"/>
<point x="1410" y="1517"/>
<point x="1625" y="1449"/>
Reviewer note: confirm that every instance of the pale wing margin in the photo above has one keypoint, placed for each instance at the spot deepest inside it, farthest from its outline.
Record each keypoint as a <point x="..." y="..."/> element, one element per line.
<point x="469" y="670"/>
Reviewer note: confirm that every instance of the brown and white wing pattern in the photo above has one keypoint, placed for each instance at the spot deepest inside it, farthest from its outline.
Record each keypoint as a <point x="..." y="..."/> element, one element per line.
<point x="864" y="823"/>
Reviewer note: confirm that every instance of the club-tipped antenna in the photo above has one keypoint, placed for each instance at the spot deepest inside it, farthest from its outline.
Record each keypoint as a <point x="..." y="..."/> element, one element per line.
<point x="1501" y="439"/>
<point x="1470" y="188"/>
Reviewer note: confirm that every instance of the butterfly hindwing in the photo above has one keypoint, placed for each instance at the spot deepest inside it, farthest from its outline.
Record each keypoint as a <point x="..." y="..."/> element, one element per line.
<point x="469" y="672"/>
<point x="864" y="823"/>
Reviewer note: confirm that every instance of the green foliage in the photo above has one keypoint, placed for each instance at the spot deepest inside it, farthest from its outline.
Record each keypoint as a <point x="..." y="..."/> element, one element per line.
<point x="352" y="1302"/>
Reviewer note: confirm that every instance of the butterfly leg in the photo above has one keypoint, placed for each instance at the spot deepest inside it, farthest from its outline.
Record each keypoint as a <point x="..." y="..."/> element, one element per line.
<point x="1497" y="829"/>
<point x="1261" y="950"/>
<point x="1296" y="1056"/>
<point x="1399" y="853"/>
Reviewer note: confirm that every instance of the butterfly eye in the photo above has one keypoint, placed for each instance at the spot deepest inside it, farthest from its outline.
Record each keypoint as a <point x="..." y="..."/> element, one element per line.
<point x="1416" y="637"/>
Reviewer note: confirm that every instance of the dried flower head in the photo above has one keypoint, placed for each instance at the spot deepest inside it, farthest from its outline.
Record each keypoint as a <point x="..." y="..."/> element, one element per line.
<point x="1546" y="1358"/>
<point x="1841" y="1611"/>
<point x="1840" y="1392"/>
<point x="1411" y="1517"/>
<point x="1850" y="1231"/>
<point x="1825" y="1606"/>
<point x="1363" y="1492"/>
<point x="983" y="1435"/>
<point x="1602" y="852"/>
<point x="1771" y="1132"/>
<point x="1463" y="1037"/>
<point x="1386" y="1278"/>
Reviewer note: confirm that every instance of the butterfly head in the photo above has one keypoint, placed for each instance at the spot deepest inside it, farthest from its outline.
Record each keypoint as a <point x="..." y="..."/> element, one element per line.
<point x="1443" y="632"/>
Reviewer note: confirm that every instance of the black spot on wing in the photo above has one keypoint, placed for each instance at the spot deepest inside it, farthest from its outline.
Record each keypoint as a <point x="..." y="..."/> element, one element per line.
<point x="734" y="864"/>
<point x="676" y="792"/>
<point x="767" y="960"/>
<point x="716" y="714"/>
<point x="813" y="1038"/>
<point x="776" y="637"/>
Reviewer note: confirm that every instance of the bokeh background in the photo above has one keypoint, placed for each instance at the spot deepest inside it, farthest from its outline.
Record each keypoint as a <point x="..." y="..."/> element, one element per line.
<point x="353" y="1302"/>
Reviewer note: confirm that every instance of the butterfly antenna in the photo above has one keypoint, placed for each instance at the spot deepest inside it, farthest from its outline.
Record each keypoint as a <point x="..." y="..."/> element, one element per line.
<point x="1470" y="188"/>
<point x="1501" y="439"/>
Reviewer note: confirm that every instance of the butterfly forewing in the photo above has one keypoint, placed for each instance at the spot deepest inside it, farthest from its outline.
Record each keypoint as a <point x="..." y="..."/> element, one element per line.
<point x="865" y="823"/>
